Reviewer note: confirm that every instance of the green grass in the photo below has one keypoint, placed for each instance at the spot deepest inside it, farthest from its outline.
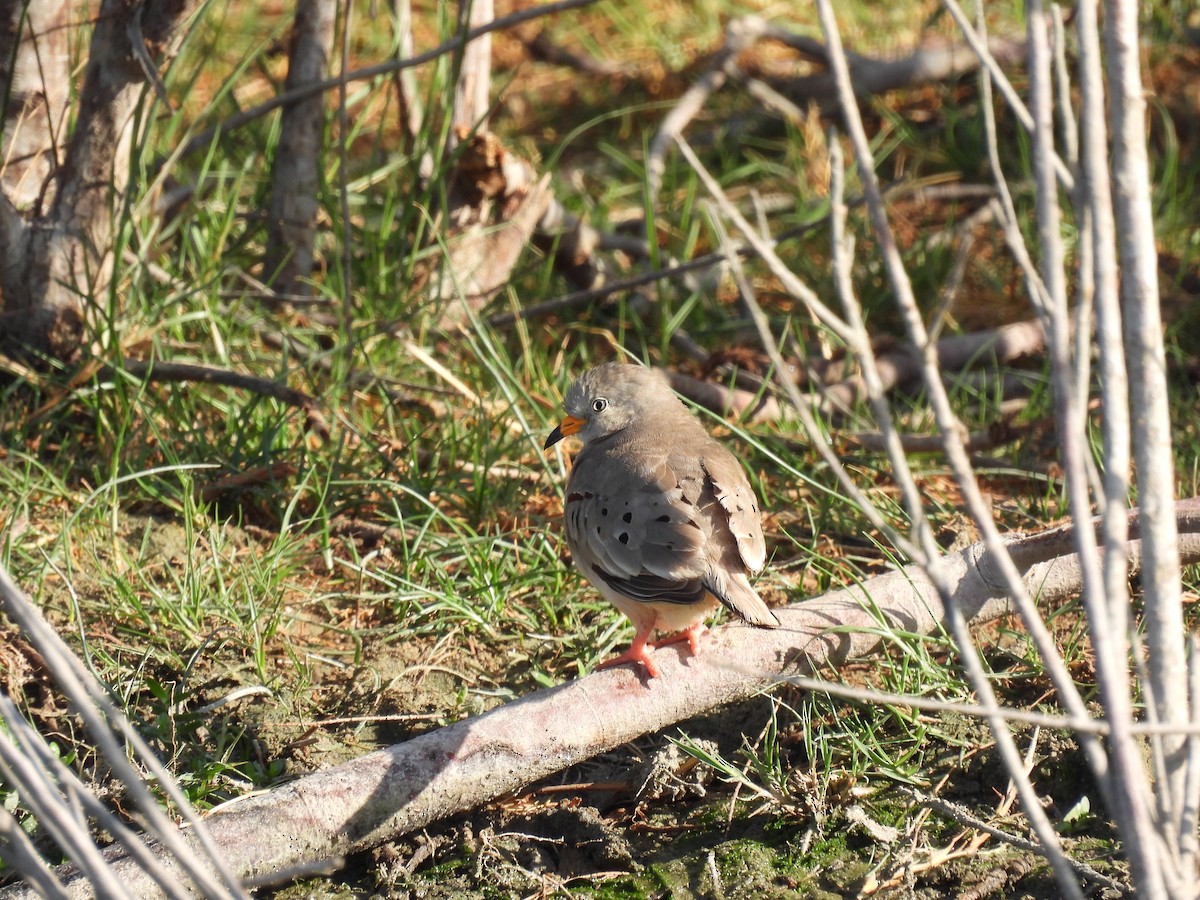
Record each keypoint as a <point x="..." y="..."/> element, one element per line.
<point x="178" y="594"/>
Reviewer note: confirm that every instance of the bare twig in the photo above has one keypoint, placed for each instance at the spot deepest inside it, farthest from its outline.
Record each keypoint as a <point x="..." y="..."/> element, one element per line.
<point x="805" y="294"/>
<point x="740" y="34"/>
<point x="1190" y="801"/>
<point x="962" y="816"/>
<point x="870" y="77"/>
<point x="473" y="85"/>
<point x="411" y="113"/>
<point x="22" y="856"/>
<point x="581" y="298"/>
<point x="732" y="402"/>
<point x="956" y="454"/>
<point x="979" y="44"/>
<point x="1146" y="359"/>
<point x="902" y="365"/>
<point x="205" y="138"/>
<point x="1130" y="786"/>
<point x="193" y="855"/>
<point x="929" y="704"/>
<point x="189" y="372"/>
<point x="544" y="49"/>
<point x="975" y="442"/>
<point x="347" y="273"/>
<point x="258" y="475"/>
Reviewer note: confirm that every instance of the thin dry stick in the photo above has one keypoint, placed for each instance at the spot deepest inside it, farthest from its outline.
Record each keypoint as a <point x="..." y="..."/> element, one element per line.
<point x="978" y="44"/>
<point x="101" y="716"/>
<point x="581" y="298"/>
<point x="910" y="491"/>
<point x="205" y="138"/>
<point x="1024" y="716"/>
<point x="411" y="113"/>
<point x="963" y="816"/>
<point x="61" y="803"/>
<point x="976" y="441"/>
<point x="955" y="453"/>
<point x="815" y="433"/>
<point x="1028" y="610"/>
<point x="842" y="262"/>
<point x="1190" y="802"/>
<point x="710" y="260"/>
<point x="347" y="322"/>
<point x="22" y="856"/>
<point x="473" y="85"/>
<point x="1110" y="635"/>
<point x="1082" y="315"/>
<point x="1146" y="359"/>
<point x="764" y="249"/>
<point x="1129" y="784"/>
<point x="740" y="34"/>
<point x="40" y="793"/>
<point x="1062" y="84"/>
<point x="153" y="370"/>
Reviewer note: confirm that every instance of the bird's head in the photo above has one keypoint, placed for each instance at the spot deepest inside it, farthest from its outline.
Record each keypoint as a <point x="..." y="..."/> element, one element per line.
<point x="610" y="398"/>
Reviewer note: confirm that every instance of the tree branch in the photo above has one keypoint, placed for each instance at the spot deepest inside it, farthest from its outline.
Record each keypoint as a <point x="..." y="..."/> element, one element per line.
<point x="205" y="138"/>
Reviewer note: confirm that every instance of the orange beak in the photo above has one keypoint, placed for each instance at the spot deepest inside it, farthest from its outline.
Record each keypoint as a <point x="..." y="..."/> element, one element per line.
<point x="569" y="425"/>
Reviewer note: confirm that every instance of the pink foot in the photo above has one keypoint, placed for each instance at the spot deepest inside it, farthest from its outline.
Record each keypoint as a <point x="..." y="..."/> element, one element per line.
<point x="636" y="653"/>
<point x="692" y="635"/>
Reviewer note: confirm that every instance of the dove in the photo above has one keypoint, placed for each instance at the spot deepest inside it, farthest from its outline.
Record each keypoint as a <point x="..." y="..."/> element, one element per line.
<point x="660" y="518"/>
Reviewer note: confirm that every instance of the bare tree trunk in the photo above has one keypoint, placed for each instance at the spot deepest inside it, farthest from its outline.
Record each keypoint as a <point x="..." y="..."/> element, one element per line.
<point x="293" y="215"/>
<point x="55" y="263"/>
<point x="33" y="40"/>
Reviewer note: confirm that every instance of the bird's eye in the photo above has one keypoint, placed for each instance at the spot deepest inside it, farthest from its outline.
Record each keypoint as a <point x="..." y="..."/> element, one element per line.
<point x="599" y="404"/>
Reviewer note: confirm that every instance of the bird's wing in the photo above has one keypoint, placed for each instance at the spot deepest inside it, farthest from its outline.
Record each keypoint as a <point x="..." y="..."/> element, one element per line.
<point x="736" y="498"/>
<point x="637" y="529"/>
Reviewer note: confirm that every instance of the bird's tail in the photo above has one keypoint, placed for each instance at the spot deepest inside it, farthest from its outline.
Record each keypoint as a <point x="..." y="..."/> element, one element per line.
<point x="737" y="595"/>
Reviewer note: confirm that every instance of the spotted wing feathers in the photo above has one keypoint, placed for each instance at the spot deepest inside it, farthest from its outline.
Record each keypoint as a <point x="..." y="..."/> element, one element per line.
<point x="670" y="533"/>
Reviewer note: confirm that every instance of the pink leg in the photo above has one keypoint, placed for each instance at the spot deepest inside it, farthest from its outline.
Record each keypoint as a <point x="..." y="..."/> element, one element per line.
<point x="691" y="634"/>
<point x="636" y="653"/>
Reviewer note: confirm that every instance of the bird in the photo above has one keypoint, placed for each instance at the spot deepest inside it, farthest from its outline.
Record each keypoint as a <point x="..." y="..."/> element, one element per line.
<point x="659" y="517"/>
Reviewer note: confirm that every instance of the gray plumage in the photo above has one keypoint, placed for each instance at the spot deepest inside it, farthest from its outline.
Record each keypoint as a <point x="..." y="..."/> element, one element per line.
<point x="660" y="518"/>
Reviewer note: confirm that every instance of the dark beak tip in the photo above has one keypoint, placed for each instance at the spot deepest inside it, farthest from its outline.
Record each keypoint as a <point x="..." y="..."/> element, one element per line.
<point x="555" y="436"/>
